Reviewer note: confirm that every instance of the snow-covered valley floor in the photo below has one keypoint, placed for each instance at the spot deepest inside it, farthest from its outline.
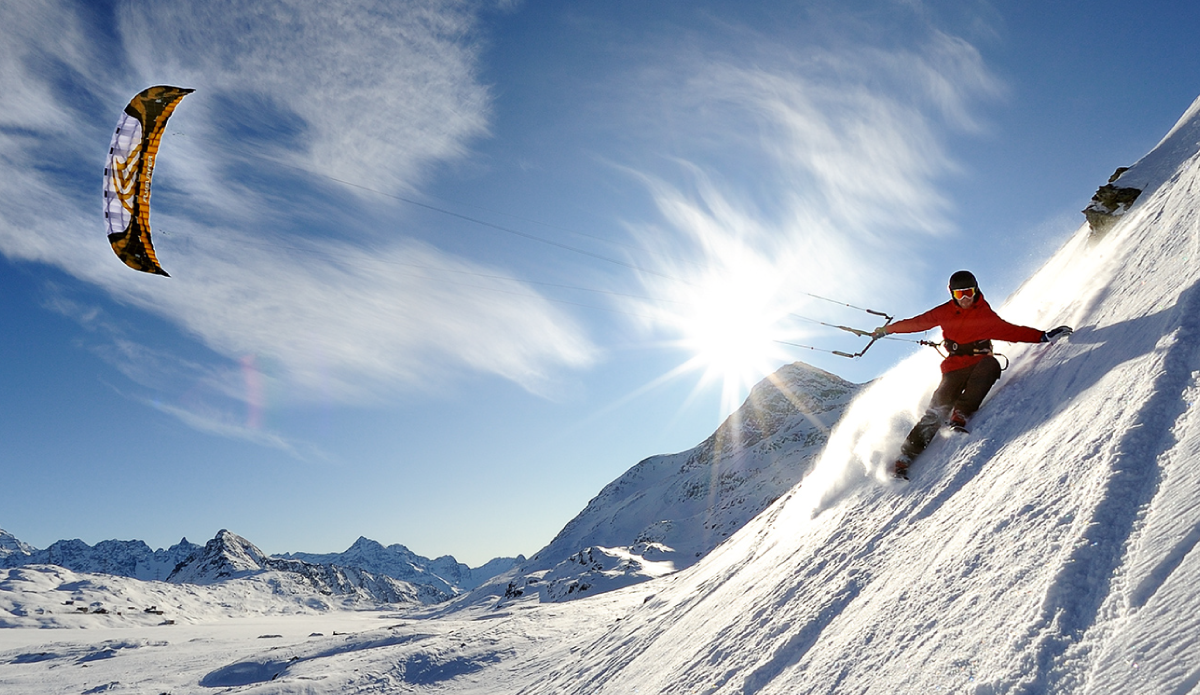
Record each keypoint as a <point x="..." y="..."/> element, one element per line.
<point x="165" y="658"/>
<point x="328" y="651"/>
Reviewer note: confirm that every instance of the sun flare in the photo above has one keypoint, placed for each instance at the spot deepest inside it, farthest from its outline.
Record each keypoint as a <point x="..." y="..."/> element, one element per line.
<point x="730" y="328"/>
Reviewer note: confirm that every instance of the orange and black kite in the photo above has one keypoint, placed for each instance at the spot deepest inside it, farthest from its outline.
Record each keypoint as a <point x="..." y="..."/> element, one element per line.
<point x="127" y="175"/>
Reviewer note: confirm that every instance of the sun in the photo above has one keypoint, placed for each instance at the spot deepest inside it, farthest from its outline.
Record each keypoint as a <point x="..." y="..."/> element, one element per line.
<point x="730" y="325"/>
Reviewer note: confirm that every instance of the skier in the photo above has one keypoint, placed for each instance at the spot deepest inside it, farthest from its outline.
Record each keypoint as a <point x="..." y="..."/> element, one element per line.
<point x="969" y="325"/>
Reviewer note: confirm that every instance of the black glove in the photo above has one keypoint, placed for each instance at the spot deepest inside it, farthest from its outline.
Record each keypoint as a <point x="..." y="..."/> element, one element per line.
<point x="1055" y="333"/>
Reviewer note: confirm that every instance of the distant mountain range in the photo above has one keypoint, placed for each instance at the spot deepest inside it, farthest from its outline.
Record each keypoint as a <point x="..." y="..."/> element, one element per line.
<point x="662" y="515"/>
<point x="10" y="545"/>
<point x="123" y="558"/>
<point x="444" y="573"/>
<point x="229" y="556"/>
<point x="367" y="570"/>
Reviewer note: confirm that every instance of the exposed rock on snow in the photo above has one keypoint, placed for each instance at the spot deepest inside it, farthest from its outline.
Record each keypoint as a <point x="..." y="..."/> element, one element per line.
<point x="226" y="556"/>
<point x="1109" y="203"/>
<point x="595" y="570"/>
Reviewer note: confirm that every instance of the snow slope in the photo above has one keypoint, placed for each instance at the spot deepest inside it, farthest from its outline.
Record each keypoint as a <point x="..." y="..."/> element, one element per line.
<point x="46" y="597"/>
<point x="1053" y="550"/>
<point x="667" y="512"/>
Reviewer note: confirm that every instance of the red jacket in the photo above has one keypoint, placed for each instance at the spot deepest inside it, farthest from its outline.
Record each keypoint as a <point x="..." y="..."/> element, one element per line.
<point x="978" y="322"/>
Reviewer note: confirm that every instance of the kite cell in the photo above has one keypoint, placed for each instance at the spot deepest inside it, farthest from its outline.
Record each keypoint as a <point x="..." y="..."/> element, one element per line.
<point x="127" y="175"/>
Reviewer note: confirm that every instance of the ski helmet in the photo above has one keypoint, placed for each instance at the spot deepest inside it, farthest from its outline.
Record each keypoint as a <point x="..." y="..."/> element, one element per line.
<point x="962" y="280"/>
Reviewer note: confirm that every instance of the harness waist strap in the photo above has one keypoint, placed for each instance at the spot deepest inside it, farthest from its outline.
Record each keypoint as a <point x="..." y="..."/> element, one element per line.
<point x="979" y="347"/>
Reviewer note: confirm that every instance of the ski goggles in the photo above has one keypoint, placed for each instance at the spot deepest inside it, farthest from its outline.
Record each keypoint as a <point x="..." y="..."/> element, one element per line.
<point x="965" y="293"/>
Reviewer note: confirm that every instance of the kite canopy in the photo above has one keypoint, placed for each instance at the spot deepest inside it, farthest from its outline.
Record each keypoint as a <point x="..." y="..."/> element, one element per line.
<point x="128" y="172"/>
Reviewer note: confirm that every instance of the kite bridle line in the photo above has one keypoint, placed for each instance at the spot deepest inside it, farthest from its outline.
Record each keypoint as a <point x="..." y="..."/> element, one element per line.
<point x="873" y="340"/>
<point x="849" y="329"/>
<point x="851" y="306"/>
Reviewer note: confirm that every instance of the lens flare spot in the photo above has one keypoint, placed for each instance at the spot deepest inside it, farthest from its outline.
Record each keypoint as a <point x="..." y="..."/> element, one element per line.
<point x="254" y="392"/>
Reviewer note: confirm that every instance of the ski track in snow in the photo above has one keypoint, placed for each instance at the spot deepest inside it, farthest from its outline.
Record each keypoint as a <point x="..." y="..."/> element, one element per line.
<point x="1073" y="601"/>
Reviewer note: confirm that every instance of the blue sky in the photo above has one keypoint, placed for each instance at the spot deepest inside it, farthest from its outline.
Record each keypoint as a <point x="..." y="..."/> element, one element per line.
<point x="441" y="270"/>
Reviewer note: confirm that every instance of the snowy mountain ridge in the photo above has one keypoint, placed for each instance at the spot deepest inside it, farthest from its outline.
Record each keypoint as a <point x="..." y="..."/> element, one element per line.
<point x="443" y="573"/>
<point x="667" y="512"/>
<point x="367" y="565"/>
<point x="229" y="556"/>
<point x="11" y="545"/>
<point x="124" y="558"/>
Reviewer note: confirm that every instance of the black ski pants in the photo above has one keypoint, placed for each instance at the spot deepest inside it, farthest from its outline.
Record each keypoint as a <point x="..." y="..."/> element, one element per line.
<point x="962" y="390"/>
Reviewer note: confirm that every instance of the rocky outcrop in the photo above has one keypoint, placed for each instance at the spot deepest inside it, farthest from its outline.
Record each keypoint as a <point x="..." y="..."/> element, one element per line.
<point x="1109" y="203"/>
<point x="227" y="556"/>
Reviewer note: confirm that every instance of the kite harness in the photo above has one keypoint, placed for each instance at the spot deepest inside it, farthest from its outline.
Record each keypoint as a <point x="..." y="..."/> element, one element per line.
<point x="979" y="347"/>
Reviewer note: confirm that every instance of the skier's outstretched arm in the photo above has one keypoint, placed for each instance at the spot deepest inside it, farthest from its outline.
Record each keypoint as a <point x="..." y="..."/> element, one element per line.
<point x="921" y="322"/>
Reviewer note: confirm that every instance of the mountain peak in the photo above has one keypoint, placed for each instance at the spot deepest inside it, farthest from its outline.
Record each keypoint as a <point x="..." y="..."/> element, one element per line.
<point x="226" y="555"/>
<point x="364" y="545"/>
<point x="11" y="545"/>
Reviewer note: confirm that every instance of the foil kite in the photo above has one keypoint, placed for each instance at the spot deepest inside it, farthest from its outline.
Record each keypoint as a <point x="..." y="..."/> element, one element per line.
<point x="128" y="172"/>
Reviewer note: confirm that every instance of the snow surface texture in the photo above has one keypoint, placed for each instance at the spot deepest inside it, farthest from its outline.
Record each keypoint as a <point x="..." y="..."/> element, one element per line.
<point x="1053" y="550"/>
<point x="45" y="596"/>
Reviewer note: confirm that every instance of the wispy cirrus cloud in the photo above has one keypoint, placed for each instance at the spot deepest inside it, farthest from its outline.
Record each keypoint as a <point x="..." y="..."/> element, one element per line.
<point x="371" y="91"/>
<point x="271" y="258"/>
